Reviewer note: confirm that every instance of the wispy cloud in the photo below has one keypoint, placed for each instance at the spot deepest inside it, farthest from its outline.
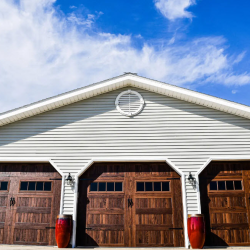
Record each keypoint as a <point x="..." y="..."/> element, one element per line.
<point x="44" y="53"/>
<point x="174" y="9"/>
<point x="229" y="79"/>
<point x="240" y="57"/>
<point x="79" y="20"/>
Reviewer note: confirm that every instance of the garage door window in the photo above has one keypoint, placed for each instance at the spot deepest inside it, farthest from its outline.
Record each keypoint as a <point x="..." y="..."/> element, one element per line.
<point x="4" y="185"/>
<point x="35" y="186"/>
<point x="106" y="187"/>
<point x="147" y="186"/>
<point x="223" y="185"/>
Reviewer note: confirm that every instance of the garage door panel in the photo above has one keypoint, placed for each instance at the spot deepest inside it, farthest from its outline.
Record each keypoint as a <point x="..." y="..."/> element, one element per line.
<point x="34" y="210"/>
<point x="104" y="217"/>
<point x="33" y="217"/>
<point x="4" y="208"/>
<point x="103" y="220"/>
<point x="130" y="217"/>
<point x="1" y="233"/>
<point x="2" y="214"/>
<point x="226" y="211"/>
<point x="31" y="236"/>
<point x="155" y="238"/>
<point x="30" y="219"/>
<point x="24" y="226"/>
<point x="31" y="200"/>
<point x="154" y="219"/>
<point x="116" y="202"/>
<point x="3" y="200"/>
<point x="106" y="201"/>
<point x="105" y="238"/>
<point x="155" y="202"/>
<point x="154" y="211"/>
<point x="230" y="237"/>
<point x="229" y="201"/>
<point x="154" y="215"/>
<point x="231" y="218"/>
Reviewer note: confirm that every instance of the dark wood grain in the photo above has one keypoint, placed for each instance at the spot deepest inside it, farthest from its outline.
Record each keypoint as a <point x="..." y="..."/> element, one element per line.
<point x="31" y="226"/>
<point x="105" y="219"/>
<point x="32" y="218"/>
<point x="226" y="212"/>
<point x="98" y="227"/>
<point x="150" y="227"/>
<point x="231" y="226"/>
<point x="34" y="210"/>
<point x="153" y="211"/>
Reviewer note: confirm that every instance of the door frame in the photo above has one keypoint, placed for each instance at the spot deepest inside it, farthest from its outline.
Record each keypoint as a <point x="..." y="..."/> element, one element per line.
<point x="215" y="158"/>
<point x="130" y="159"/>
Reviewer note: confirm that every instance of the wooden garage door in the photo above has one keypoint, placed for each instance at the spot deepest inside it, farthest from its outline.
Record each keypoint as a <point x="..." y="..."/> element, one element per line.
<point x="29" y="203"/>
<point x="225" y="203"/>
<point x="130" y="204"/>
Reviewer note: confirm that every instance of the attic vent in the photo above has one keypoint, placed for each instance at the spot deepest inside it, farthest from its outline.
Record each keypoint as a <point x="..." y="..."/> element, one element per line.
<point x="129" y="103"/>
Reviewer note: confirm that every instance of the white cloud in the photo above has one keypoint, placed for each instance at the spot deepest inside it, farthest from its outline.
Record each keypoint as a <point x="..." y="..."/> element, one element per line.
<point x="87" y="22"/>
<point x="173" y="9"/>
<point x="43" y="53"/>
<point x="230" y="79"/>
<point x="240" y="57"/>
<point x="234" y="91"/>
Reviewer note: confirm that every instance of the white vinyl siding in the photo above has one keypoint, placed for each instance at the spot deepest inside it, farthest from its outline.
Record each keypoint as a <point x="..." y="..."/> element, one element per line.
<point x="185" y="133"/>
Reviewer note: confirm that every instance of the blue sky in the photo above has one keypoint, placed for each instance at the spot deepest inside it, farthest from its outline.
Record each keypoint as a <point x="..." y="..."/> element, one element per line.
<point x="48" y="47"/>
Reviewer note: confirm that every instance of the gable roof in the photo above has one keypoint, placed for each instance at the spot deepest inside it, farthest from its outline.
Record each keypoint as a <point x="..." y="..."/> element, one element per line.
<point x="128" y="79"/>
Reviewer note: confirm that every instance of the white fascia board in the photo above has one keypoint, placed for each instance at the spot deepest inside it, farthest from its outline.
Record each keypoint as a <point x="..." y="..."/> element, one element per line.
<point x="129" y="159"/>
<point x="50" y="104"/>
<point x="122" y="81"/>
<point x="196" y="97"/>
<point x="24" y="159"/>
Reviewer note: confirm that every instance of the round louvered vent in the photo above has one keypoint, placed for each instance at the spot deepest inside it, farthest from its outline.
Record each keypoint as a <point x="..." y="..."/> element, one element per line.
<point x="129" y="103"/>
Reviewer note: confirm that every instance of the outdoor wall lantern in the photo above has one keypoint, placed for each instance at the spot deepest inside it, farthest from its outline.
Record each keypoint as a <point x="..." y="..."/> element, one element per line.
<point x="191" y="179"/>
<point x="70" y="180"/>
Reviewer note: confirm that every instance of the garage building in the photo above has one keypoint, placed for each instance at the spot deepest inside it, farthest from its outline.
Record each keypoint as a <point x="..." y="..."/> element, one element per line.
<point x="143" y="154"/>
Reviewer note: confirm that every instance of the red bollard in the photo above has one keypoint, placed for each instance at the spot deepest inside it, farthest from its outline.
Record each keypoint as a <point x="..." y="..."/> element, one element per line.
<point x="63" y="230"/>
<point x="196" y="230"/>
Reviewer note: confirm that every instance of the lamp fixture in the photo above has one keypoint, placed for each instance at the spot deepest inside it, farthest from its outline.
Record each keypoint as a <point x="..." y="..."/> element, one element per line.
<point x="191" y="179"/>
<point x="69" y="179"/>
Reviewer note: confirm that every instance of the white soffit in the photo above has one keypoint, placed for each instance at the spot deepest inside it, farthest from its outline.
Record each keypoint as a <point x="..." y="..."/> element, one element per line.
<point x="125" y="80"/>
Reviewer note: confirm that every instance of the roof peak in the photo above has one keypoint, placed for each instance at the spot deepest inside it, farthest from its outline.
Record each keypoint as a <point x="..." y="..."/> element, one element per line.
<point x="127" y="79"/>
<point x="130" y="73"/>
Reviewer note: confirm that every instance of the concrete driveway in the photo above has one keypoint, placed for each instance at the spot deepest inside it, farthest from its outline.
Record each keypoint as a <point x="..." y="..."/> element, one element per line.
<point x="17" y="247"/>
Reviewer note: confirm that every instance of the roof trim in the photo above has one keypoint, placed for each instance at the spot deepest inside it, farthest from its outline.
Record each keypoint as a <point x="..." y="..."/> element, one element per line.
<point x="125" y="80"/>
